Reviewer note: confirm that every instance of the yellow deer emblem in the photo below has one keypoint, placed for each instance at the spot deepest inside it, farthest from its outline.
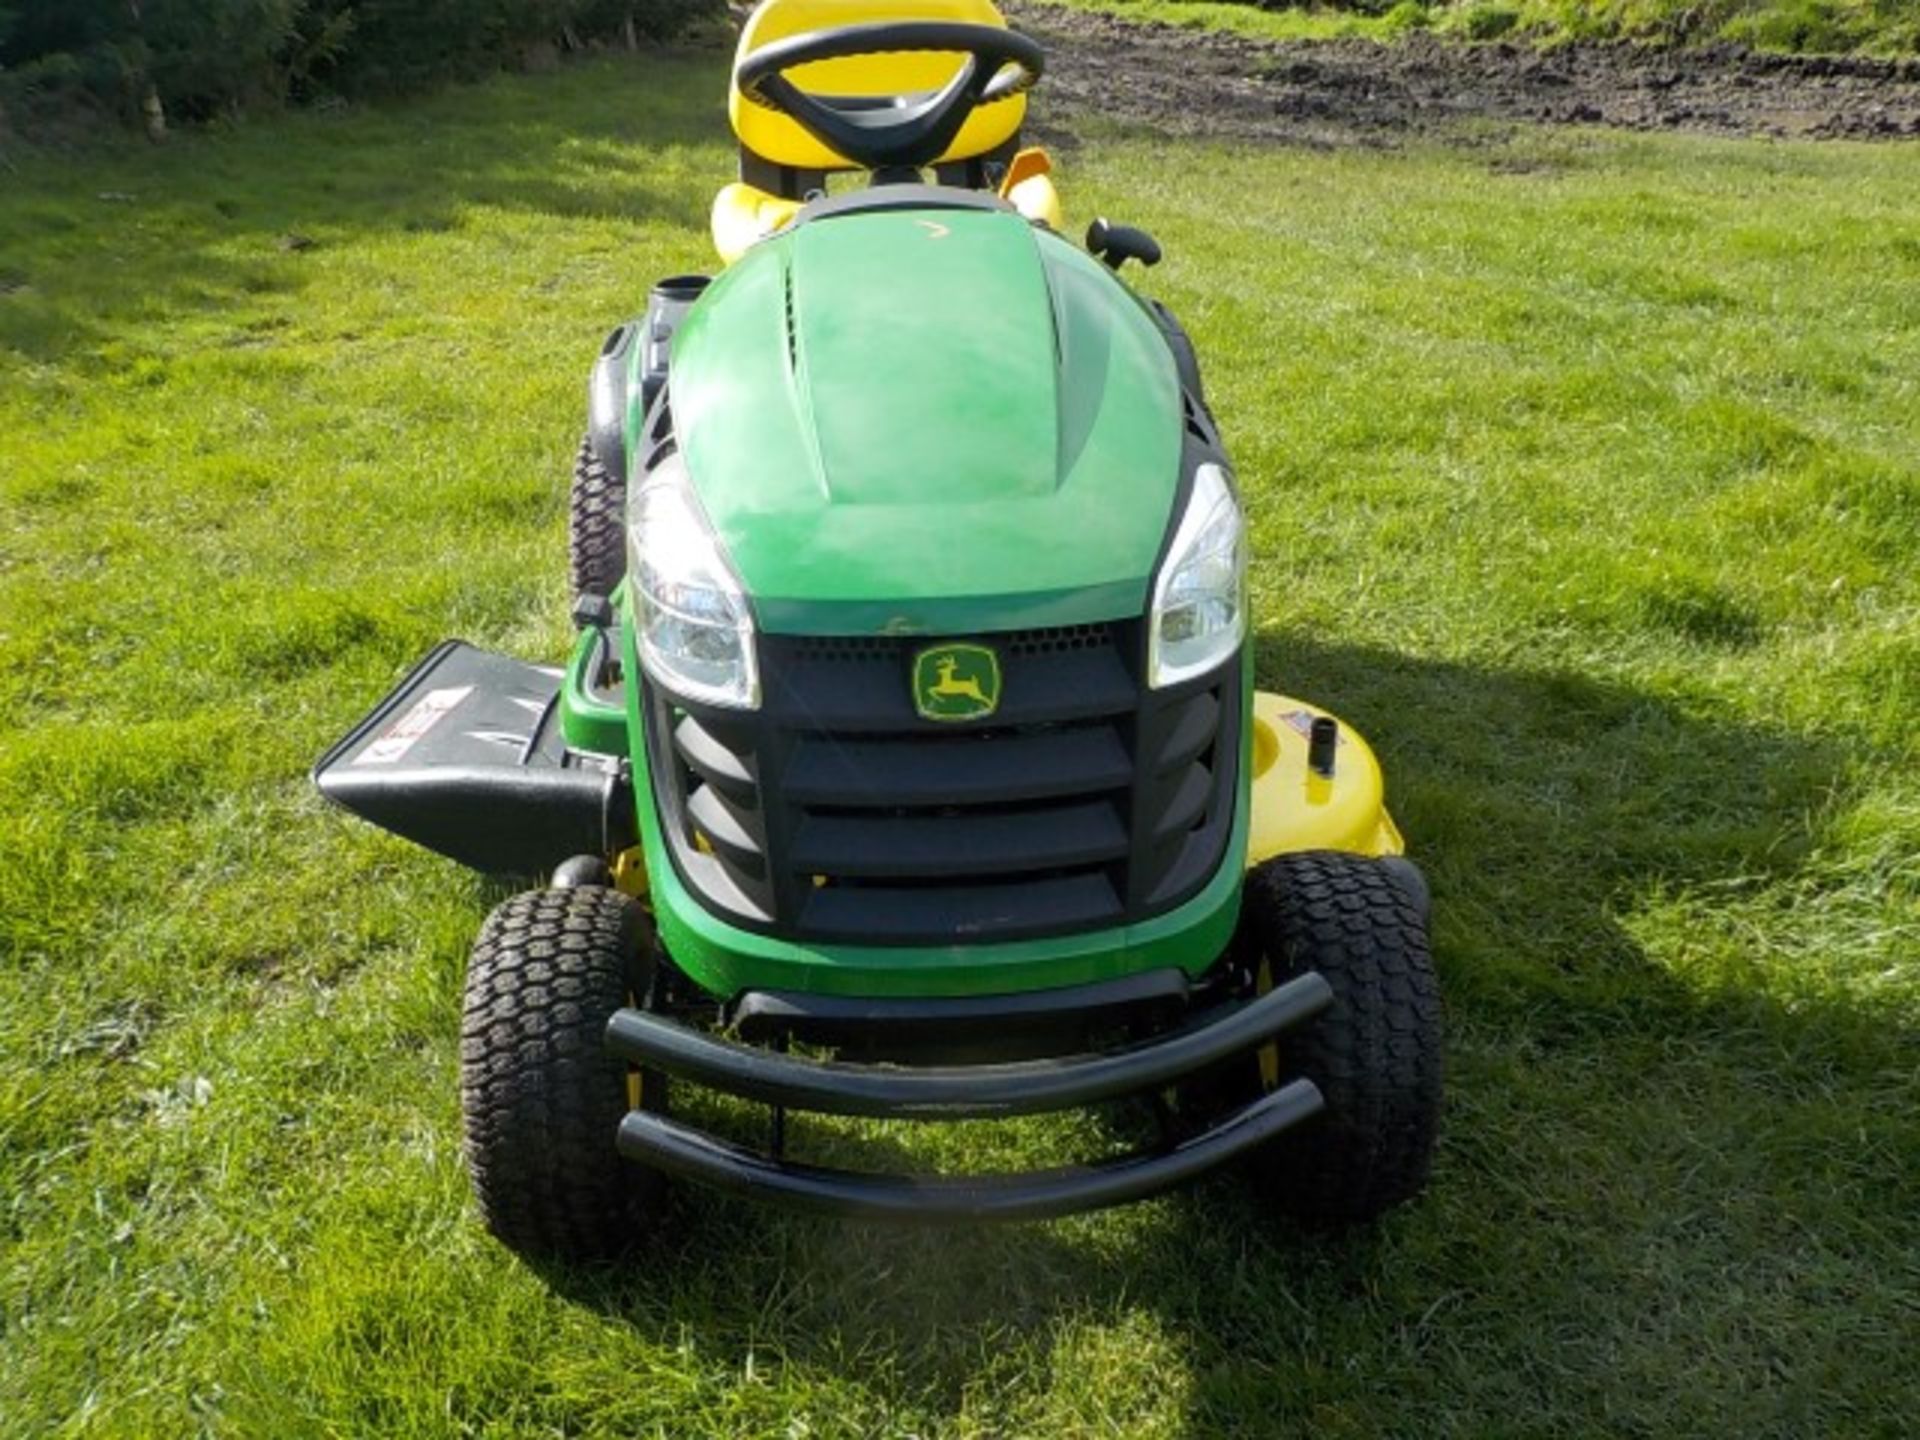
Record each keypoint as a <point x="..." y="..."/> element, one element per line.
<point x="956" y="681"/>
<point x="946" y="687"/>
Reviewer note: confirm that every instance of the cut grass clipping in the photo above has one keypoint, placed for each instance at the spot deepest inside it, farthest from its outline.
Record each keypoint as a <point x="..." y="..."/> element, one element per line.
<point x="1583" y="477"/>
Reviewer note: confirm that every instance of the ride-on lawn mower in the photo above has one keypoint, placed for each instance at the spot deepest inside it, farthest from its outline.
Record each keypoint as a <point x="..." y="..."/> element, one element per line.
<point x="908" y="763"/>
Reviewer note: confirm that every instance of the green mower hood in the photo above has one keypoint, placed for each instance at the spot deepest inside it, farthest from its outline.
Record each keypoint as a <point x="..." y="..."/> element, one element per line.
<point x="929" y="421"/>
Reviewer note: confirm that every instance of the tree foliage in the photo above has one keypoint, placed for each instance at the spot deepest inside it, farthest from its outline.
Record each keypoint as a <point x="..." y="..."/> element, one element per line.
<point x="206" y="57"/>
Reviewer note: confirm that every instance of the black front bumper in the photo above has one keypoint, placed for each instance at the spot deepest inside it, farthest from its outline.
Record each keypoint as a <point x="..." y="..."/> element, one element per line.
<point x="960" y="1092"/>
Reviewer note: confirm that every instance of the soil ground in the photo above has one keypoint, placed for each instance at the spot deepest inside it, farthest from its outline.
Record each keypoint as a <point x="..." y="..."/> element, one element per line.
<point x="1195" y="82"/>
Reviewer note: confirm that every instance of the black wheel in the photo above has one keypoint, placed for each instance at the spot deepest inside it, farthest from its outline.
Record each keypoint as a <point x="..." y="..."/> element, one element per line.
<point x="1375" y="1052"/>
<point x="540" y="1096"/>
<point x="596" y="528"/>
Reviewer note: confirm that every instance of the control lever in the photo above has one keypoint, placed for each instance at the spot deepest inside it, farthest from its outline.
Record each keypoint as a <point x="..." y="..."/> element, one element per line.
<point x="1117" y="244"/>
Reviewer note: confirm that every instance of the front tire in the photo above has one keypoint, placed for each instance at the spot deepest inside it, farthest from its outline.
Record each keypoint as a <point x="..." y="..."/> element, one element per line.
<point x="540" y="1095"/>
<point x="596" y="525"/>
<point x="1375" y="1052"/>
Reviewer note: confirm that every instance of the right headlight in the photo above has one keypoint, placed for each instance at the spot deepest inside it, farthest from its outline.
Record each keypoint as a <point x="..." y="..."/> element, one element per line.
<point x="1199" y="613"/>
<point x="696" y="628"/>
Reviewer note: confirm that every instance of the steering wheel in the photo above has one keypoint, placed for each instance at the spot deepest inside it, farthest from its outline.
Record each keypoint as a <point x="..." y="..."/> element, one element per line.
<point x="881" y="131"/>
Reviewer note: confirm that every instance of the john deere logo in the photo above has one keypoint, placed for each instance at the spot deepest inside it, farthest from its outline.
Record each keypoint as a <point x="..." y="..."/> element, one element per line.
<point x="956" y="682"/>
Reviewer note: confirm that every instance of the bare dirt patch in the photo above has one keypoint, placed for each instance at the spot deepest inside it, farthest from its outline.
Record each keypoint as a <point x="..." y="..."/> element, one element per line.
<point x="1193" y="82"/>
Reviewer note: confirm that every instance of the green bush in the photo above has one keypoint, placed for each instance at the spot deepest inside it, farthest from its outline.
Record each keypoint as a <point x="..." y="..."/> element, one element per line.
<point x="1831" y="25"/>
<point x="1408" y="15"/>
<point x="204" y="57"/>
<point x="1486" y="21"/>
<point x="1890" y="27"/>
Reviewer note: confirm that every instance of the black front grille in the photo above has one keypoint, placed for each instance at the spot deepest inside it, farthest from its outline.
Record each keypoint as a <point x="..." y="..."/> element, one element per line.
<point x="836" y="812"/>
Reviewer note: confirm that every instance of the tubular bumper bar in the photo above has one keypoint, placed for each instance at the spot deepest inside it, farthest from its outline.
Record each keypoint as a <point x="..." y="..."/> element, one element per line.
<point x="1040" y="1195"/>
<point x="961" y="1092"/>
<point x="957" y="1092"/>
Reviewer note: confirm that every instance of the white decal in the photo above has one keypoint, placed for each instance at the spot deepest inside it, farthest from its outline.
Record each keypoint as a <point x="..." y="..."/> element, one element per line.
<point x="428" y="712"/>
<point x="1302" y="721"/>
<point x="1299" y="720"/>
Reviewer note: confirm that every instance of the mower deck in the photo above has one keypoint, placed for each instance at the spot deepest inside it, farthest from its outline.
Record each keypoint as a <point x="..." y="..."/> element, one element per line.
<point x="466" y="756"/>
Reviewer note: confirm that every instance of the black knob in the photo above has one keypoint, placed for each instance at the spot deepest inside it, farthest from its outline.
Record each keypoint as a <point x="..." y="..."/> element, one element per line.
<point x="1117" y="244"/>
<point x="1323" y="738"/>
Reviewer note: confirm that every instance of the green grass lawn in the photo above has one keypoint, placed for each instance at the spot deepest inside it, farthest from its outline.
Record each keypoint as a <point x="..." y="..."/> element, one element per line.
<point x="1586" y="479"/>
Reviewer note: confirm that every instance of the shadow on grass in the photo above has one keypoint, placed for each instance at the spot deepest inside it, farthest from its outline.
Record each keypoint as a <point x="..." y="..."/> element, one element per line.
<point x="1541" y="804"/>
<point x="216" y="223"/>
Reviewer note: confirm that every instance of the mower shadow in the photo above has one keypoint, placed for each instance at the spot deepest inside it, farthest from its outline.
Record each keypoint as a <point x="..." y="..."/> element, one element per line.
<point x="1542" y="804"/>
<point x="227" y="219"/>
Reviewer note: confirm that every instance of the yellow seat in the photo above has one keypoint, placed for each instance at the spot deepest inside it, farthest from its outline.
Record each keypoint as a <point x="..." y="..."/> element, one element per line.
<point x="783" y="141"/>
<point x="778" y="152"/>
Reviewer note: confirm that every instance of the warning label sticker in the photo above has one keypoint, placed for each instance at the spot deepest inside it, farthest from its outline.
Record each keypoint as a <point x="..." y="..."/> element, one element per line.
<point x="1300" y="720"/>
<point x="404" y="733"/>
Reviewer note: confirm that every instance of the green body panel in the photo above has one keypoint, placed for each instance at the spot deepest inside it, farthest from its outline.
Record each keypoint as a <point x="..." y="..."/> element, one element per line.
<point x="724" y="959"/>
<point x="928" y="423"/>
<point x="941" y="422"/>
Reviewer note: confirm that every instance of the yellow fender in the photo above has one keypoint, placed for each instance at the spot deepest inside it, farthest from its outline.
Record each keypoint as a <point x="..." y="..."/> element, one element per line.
<point x="1296" y="809"/>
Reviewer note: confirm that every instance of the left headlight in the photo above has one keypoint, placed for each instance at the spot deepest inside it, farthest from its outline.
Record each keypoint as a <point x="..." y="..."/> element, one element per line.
<point x="695" y="626"/>
<point x="1199" y="611"/>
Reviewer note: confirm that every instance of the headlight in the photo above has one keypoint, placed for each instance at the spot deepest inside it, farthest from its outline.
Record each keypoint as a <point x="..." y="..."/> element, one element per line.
<point x="696" y="630"/>
<point x="1200" y="596"/>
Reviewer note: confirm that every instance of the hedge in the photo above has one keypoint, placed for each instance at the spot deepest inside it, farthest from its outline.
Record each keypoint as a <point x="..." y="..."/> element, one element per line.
<point x="154" y="59"/>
